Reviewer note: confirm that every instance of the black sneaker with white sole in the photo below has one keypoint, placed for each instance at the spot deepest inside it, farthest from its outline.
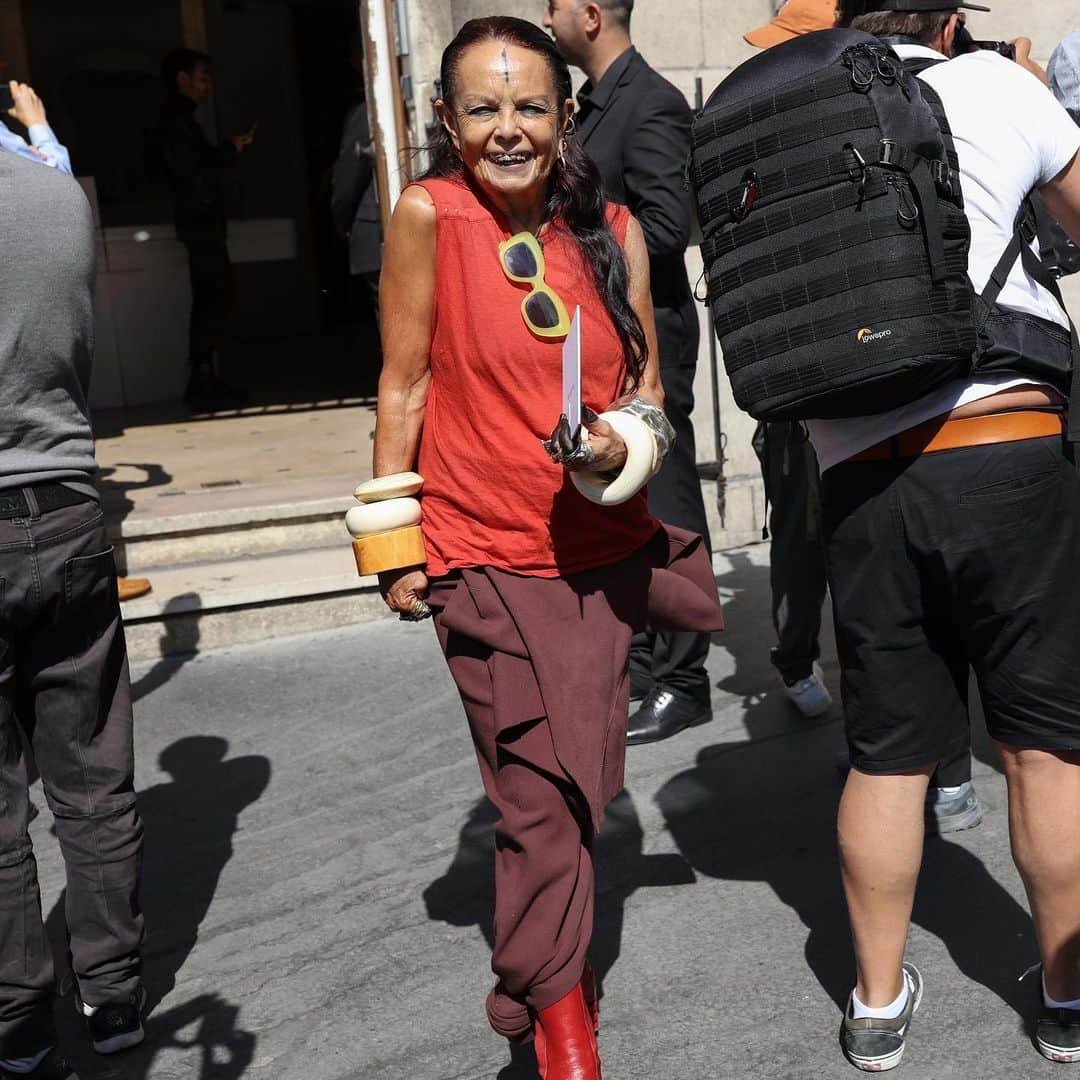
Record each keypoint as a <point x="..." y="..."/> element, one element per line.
<point x="116" y="1025"/>
<point x="873" y="1044"/>
<point x="1057" y="1034"/>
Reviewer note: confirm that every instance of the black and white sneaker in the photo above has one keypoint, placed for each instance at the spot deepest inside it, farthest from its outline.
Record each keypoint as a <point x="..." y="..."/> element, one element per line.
<point x="873" y="1044"/>
<point x="1057" y="1034"/>
<point x="116" y="1025"/>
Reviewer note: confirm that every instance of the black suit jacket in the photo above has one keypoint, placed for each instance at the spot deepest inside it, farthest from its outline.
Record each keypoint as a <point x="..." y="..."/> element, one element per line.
<point x="353" y="202"/>
<point x="636" y="126"/>
<point x="194" y="167"/>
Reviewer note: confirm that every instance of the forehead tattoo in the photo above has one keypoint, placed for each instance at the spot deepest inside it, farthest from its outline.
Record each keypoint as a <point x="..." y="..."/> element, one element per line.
<point x="506" y="66"/>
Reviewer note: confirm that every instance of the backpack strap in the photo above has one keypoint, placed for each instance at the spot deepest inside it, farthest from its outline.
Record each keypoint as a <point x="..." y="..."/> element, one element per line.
<point x="1025" y="230"/>
<point x="1019" y="247"/>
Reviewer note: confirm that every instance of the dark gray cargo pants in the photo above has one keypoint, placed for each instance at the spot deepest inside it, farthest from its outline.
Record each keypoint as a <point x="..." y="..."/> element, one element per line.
<point x="64" y="682"/>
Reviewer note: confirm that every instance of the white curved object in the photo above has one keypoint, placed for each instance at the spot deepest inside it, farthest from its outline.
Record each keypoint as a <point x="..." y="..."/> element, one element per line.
<point x="396" y="486"/>
<point x="637" y="470"/>
<point x="382" y="516"/>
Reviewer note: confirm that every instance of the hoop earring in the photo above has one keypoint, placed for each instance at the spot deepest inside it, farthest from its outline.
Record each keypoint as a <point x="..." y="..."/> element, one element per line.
<point x="562" y="153"/>
<point x="571" y="127"/>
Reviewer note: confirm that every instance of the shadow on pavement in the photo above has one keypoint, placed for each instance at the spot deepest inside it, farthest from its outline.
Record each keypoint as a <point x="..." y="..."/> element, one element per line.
<point x="178" y="644"/>
<point x="189" y="823"/>
<point x="114" y="493"/>
<point x="764" y="809"/>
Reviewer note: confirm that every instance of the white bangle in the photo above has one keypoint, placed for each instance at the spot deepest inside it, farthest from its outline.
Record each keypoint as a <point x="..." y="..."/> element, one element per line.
<point x="382" y="516"/>
<point x="395" y="486"/>
<point x="642" y="461"/>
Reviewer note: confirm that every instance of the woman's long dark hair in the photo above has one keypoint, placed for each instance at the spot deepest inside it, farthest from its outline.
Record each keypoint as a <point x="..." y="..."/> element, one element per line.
<point x="576" y="199"/>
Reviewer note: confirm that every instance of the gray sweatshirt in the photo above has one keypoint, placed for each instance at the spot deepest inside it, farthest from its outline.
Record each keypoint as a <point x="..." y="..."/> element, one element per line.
<point x="46" y="326"/>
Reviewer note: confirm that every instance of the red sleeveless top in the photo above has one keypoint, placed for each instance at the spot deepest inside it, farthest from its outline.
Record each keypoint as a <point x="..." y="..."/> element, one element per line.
<point x="492" y="496"/>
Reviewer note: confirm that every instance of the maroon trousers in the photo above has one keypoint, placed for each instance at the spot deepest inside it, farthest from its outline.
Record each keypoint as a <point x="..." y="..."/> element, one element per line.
<point x="541" y="664"/>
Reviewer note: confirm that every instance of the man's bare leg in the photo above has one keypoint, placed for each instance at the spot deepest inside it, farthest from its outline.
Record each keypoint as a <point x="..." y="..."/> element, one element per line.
<point x="880" y="828"/>
<point x="1044" y="825"/>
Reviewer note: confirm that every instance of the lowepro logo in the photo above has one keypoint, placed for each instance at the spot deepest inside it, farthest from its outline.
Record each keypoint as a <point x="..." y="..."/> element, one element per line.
<point x="866" y="335"/>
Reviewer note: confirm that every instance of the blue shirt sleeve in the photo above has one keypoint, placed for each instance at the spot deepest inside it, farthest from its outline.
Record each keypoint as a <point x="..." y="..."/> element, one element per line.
<point x="55" y="153"/>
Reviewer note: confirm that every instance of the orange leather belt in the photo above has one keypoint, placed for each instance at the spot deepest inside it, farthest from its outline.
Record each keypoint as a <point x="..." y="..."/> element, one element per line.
<point x="937" y="434"/>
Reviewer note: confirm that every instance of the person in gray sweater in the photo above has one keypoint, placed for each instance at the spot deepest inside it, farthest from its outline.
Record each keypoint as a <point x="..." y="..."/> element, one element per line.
<point x="64" y="691"/>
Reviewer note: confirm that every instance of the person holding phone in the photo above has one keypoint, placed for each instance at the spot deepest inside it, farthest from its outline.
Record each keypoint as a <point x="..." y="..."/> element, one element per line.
<point x="18" y="100"/>
<point x="195" y="167"/>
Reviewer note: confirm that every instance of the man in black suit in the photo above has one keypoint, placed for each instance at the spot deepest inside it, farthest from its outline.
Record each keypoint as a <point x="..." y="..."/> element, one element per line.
<point x="194" y="167"/>
<point x="636" y="126"/>
<point x="354" y="203"/>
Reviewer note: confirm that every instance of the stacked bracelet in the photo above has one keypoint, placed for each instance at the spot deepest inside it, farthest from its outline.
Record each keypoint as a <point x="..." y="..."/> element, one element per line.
<point x="386" y="526"/>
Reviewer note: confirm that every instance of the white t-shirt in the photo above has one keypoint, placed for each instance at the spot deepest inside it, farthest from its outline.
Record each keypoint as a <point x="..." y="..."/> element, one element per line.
<point x="1011" y="136"/>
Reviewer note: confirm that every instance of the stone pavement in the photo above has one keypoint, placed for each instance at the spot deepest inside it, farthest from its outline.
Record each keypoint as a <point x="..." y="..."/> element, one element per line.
<point x="318" y="886"/>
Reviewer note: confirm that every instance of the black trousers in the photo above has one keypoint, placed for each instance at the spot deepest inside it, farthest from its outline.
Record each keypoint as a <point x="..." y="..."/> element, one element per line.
<point x="64" y="682"/>
<point x="676" y="661"/>
<point x="211" y="295"/>
<point x="797" y="563"/>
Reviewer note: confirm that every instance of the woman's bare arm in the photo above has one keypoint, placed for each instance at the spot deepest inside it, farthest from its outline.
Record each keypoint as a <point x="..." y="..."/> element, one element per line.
<point x="406" y="301"/>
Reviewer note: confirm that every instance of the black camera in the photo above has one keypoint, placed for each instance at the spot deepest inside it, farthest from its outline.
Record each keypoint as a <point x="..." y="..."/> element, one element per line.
<point x="963" y="42"/>
<point x="1002" y="48"/>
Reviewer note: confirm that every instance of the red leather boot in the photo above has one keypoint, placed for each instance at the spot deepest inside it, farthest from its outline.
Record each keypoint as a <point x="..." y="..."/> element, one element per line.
<point x="588" y="989"/>
<point x="565" y="1041"/>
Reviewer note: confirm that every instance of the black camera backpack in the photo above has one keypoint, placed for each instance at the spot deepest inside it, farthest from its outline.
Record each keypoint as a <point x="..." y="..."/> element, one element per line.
<point x="834" y="239"/>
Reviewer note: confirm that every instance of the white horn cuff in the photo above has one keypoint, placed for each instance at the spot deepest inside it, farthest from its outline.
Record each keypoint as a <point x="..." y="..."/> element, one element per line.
<point x="642" y="461"/>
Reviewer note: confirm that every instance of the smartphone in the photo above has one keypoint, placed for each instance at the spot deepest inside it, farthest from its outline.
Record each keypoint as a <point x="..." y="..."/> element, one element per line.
<point x="6" y="100"/>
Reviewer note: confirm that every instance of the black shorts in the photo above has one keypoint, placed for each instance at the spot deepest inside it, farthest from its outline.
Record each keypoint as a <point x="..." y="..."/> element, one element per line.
<point x="956" y="559"/>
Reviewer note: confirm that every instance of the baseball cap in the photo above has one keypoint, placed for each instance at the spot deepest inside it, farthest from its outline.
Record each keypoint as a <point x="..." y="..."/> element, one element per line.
<point x="866" y="6"/>
<point x="1063" y="74"/>
<point x="794" y="18"/>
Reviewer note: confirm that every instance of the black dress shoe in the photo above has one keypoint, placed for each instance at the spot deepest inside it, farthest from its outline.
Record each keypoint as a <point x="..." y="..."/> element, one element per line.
<point x="665" y="713"/>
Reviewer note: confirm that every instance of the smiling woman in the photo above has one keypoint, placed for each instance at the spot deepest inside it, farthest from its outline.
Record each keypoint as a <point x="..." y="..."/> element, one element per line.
<point x="535" y="588"/>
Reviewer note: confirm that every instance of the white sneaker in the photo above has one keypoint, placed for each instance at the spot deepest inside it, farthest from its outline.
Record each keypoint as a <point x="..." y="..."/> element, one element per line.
<point x="810" y="695"/>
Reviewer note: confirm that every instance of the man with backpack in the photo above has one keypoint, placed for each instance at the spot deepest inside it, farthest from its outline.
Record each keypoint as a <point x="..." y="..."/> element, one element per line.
<point x="797" y="573"/>
<point x="967" y="552"/>
<point x="867" y="239"/>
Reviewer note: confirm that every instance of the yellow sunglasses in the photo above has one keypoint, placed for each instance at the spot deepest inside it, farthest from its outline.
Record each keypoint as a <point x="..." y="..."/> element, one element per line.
<point x="522" y="260"/>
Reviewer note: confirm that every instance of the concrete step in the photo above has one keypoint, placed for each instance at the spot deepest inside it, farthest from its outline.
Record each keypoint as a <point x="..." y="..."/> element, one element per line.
<point x="250" y="520"/>
<point x="259" y="561"/>
<point x="249" y="598"/>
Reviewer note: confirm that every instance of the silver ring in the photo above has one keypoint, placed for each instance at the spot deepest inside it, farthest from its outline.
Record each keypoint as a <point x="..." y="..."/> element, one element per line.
<point x="418" y="611"/>
<point x="583" y="455"/>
